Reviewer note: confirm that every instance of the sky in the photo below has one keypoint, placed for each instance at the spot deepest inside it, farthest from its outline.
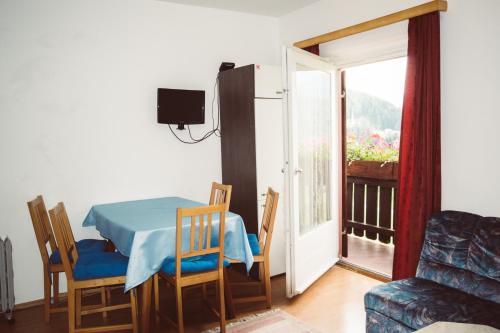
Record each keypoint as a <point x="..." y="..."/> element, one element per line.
<point x="383" y="79"/>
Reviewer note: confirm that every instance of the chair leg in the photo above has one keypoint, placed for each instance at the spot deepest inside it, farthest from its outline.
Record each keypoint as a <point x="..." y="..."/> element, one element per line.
<point x="104" y="302"/>
<point x="156" y="291"/>
<point x="262" y="277"/>
<point x="178" y="295"/>
<point x="108" y="295"/>
<point x="133" y="308"/>
<point x="267" y="280"/>
<point x="222" y="310"/>
<point x="228" y="296"/>
<point x="46" y="294"/>
<point x="216" y="290"/>
<point x="204" y="291"/>
<point x="78" y="307"/>
<point x="71" y="309"/>
<point x="56" y="287"/>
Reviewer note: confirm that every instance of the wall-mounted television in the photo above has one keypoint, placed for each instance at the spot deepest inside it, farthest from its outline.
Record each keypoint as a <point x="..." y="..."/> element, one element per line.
<point x="181" y="107"/>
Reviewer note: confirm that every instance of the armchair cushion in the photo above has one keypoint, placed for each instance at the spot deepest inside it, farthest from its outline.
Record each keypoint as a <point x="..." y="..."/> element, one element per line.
<point x="461" y="251"/>
<point x="193" y="264"/>
<point x="93" y="265"/>
<point x="254" y="244"/>
<point x="461" y="279"/>
<point x="377" y="323"/>
<point x="416" y="303"/>
<point x="82" y="246"/>
<point x="484" y="252"/>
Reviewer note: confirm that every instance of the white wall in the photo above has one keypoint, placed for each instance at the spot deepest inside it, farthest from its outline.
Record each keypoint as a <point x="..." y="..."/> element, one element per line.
<point x="78" y="86"/>
<point x="470" y="84"/>
<point x="470" y="47"/>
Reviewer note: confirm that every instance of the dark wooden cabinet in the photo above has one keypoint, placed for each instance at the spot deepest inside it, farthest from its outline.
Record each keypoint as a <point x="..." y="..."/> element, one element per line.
<point x="241" y="89"/>
<point x="237" y="91"/>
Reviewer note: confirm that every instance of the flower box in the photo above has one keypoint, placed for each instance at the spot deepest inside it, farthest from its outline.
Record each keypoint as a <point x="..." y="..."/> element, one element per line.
<point x="373" y="169"/>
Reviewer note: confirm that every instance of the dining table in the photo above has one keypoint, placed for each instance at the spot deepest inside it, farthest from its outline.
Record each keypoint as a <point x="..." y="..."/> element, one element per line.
<point x="145" y="230"/>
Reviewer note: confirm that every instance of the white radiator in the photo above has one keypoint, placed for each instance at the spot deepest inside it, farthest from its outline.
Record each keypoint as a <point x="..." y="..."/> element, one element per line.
<point x="7" y="300"/>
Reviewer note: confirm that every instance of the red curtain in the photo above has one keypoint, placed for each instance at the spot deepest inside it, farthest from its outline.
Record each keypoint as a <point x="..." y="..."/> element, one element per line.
<point x="419" y="193"/>
<point x="313" y="49"/>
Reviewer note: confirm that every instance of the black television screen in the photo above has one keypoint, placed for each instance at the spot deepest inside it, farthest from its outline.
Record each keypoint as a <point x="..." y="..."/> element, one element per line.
<point x="181" y="107"/>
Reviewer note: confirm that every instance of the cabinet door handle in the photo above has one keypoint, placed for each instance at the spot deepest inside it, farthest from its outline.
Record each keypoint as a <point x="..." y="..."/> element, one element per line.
<point x="279" y="92"/>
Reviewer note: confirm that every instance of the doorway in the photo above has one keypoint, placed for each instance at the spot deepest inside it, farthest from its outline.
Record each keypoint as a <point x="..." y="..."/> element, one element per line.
<point x="372" y="109"/>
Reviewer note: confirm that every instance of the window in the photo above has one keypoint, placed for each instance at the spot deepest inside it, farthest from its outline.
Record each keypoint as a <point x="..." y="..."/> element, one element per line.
<point x="314" y="147"/>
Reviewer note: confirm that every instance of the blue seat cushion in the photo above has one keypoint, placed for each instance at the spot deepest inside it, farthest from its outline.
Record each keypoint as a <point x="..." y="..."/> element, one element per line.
<point x="193" y="264"/>
<point x="93" y="265"/>
<point x="254" y="244"/>
<point x="416" y="303"/>
<point x="82" y="246"/>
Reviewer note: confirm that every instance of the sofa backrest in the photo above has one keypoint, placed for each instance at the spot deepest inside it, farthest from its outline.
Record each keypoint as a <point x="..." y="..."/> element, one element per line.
<point x="462" y="251"/>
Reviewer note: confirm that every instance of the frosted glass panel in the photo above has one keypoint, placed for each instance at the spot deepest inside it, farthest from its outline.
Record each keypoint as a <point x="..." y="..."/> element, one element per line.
<point x="314" y="133"/>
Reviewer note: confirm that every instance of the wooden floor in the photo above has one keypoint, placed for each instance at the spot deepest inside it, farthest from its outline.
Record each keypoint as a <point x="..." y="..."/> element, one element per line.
<point x="333" y="304"/>
<point x="371" y="255"/>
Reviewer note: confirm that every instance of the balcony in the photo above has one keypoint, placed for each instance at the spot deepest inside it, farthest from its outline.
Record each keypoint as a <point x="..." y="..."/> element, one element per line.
<point x="370" y="210"/>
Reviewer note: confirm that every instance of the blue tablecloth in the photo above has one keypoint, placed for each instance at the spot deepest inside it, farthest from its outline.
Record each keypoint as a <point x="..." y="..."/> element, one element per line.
<point x="144" y="231"/>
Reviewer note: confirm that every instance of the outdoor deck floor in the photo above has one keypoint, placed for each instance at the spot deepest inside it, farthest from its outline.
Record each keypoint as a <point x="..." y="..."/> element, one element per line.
<point x="370" y="254"/>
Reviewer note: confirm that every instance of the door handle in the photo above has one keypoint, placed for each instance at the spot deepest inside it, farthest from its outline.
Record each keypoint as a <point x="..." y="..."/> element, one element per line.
<point x="298" y="170"/>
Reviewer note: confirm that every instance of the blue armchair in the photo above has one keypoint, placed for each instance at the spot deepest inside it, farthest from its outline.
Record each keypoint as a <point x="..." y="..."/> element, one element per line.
<point x="457" y="280"/>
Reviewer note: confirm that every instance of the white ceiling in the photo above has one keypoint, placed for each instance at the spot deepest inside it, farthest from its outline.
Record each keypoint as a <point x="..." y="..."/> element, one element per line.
<point x="262" y="7"/>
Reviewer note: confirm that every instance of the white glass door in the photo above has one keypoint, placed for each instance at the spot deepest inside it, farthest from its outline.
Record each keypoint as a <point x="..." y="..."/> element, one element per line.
<point x="312" y="153"/>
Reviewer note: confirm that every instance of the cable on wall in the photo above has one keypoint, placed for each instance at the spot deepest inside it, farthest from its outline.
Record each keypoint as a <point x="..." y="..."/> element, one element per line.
<point x="215" y="124"/>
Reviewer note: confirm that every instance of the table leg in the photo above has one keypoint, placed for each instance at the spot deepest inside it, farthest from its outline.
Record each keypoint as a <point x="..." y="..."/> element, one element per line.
<point x="228" y="297"/>
<point x="145" y="302"/>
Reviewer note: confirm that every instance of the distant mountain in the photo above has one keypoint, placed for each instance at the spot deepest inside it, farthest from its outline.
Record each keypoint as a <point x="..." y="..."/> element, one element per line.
<point x="368" y="112"/>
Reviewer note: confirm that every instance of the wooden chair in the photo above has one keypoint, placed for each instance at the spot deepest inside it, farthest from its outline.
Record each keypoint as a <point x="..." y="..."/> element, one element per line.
<point x="220" y="194"/>
<point x="52" y="264"/>
<point x="203" y="262"/>
<point x="90" y="270"/>
<point x="261" y="247"/>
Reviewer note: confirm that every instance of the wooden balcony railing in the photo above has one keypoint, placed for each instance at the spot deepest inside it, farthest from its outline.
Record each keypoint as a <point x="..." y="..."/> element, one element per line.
<point x="370" y="199"/>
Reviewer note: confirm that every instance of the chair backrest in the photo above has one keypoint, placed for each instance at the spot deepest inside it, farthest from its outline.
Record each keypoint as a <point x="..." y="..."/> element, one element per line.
<point x="268" y="218"/>
<point x="220" y="194"/>
<point x="41" y="224"/>
<point x="65" y="239"/>
<point x="200" y="234"/>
